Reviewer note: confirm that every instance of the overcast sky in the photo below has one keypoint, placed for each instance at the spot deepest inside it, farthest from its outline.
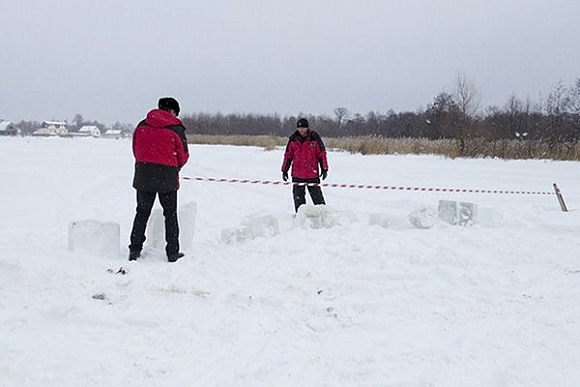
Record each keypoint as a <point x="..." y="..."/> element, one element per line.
<point x="111" y="60"/>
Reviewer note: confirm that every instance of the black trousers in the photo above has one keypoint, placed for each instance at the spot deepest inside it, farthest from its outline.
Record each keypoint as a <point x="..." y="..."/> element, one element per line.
<point x="299" y="192"/>
<point x="145" y="201"/>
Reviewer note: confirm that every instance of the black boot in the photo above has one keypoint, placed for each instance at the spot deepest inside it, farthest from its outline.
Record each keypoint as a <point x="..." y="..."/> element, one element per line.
<point x="133" y="255"/>
<point x="174" y="257"/>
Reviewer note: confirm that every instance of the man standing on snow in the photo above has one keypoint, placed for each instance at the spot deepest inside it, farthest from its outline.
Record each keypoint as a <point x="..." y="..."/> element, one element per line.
<point x="305" y="152"/>
<point x="160" y="150"/>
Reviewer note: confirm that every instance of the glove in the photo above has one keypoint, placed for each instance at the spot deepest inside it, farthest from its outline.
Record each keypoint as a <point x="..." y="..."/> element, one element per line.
<point x="285" y="175"/>
<point x="324" y="174"/>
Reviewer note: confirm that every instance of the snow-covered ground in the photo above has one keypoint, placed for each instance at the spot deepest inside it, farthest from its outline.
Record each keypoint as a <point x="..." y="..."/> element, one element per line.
<point x="495" y="304"/>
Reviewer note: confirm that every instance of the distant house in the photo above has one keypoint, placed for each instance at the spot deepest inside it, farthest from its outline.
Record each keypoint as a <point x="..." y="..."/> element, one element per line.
<point x="44" y="132"/>
<point x="7" y="128"/>
<point x="113" y="133"/>
<point x="90" y="130"/>
<point x="52" y="128"/>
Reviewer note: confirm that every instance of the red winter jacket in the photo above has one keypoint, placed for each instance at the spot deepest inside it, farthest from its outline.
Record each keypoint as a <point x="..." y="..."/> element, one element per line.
<point x="160" y="150"/>
<point x="305" y="154"/>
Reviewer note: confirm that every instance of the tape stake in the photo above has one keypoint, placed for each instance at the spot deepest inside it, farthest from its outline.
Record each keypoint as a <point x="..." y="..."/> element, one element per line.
<point x="560" y="198"/>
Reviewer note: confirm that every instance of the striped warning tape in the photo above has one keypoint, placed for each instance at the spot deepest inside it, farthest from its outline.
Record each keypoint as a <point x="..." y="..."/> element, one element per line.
<point x="365" y="186"/>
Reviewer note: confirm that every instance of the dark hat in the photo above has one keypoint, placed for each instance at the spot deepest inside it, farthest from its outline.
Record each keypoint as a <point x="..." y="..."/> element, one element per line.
<point x="302" y="123"/>
<point x="168" y="103"/>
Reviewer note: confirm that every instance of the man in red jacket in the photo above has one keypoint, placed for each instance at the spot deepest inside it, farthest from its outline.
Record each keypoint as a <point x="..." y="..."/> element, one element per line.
<point x="160" y="150"/>
<point x="305" y="152"/>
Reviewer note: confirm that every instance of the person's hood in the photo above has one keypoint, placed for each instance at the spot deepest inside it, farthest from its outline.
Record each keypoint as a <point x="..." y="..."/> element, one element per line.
<point x="161" y="118"/>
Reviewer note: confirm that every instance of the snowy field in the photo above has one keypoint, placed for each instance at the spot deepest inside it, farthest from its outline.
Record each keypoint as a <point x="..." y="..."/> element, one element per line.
<point x="494" y="304"/>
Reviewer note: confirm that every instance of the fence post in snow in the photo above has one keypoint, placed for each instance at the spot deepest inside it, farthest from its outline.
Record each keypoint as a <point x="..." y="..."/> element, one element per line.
<point x="560" y="198"/>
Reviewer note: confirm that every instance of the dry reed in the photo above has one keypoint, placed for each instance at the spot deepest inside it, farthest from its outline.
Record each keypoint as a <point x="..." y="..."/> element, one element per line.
<point x="373" y="145"/>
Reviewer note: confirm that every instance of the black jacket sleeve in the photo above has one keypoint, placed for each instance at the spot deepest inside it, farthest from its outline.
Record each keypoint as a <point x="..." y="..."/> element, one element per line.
<point x="287" y="161"/>
<point x="180" y="130"/>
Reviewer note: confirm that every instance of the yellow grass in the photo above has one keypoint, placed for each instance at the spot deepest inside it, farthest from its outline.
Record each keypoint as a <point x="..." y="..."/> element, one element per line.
<point x="368" y="145"/>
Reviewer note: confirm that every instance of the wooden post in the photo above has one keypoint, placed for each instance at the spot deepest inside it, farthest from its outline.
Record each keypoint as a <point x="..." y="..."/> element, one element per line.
<point x="560" y="198"/>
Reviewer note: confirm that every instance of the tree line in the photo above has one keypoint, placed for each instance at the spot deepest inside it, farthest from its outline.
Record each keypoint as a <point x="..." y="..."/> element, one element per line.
<point x="455" y="116"/>
<point x="521" y="128"/>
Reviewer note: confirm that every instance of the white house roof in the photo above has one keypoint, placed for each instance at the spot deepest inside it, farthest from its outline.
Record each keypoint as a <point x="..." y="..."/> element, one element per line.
<point x="88" y="128"/>
<point x="4" y="125"/>
<point x="113" y="131"/>
<point x="55" y="123"/>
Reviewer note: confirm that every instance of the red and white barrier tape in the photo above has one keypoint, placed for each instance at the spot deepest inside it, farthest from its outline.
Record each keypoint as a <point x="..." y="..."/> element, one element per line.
<point x="364" y="186"/>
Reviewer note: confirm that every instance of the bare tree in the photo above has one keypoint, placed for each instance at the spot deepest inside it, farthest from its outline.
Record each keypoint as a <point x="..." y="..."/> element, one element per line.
<point x="573" y="99"/>
<point x="573" y="106"/>
<point x="514" y="108"/>
<point x="467" y="99"/>
<point x="556" y="102"/>
<point x="466" y="96"/>
<point x="442" y="116"/>
<point x="556" y="106"/>
<point x="341" y="114"/>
